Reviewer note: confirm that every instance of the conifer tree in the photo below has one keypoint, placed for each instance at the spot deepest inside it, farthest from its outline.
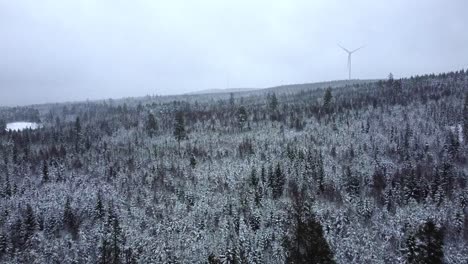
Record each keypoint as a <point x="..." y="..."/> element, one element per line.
<point x="232" y="100"/>
<point x="426" y="245"/>
<point x="241" y="117"/>
<point x="193" y="162"/>
<point x="179" y="128"/>
<point x="99" y="208"/>
<point x="70" y="221"/>
<point x="3" y="244"/>
<point x="308" y="245"/>
<point x="45" y="172"/>
<point x="465" y="120"/>
<point x="2" y="126"/>
<point x="77" y="134"/>
<point x="327" y="98"/>
<point x="320" y="173"/>
<point x="253" y="178"/>
<point x="7" y="191"/>
<point x="390" y="79"/>
<point x="273" y="106"/>
<point x="278" y="182"/>
<point x="273" y="102"/>
<point x="151" y="125"/>
<point x="104" y="256"/>
<point x="30" y="223"/>
<point x="112" y="241"/>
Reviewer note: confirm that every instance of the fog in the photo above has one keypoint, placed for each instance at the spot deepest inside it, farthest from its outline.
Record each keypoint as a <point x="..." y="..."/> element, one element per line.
<point x="57" y="50"/>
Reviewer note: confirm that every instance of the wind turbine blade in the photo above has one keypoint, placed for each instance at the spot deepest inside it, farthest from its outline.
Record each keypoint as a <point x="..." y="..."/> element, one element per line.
<point x="343" y="48"/>
<point x="357" y="49"/>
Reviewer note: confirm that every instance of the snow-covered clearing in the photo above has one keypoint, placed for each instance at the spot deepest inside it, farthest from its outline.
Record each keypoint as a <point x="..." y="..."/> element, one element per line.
<point x="18" y="126"/>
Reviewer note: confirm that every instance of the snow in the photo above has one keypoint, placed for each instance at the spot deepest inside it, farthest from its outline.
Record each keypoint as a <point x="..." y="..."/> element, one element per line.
<point x="458" y="128"/>
<point x="18" y="126"/>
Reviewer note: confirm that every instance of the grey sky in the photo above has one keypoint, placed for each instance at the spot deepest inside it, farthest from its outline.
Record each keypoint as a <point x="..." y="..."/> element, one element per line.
<point x="56" y="50"/>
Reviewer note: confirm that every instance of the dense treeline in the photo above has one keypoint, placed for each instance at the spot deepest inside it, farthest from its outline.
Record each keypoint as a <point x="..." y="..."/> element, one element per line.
<point x="373" y="172"/>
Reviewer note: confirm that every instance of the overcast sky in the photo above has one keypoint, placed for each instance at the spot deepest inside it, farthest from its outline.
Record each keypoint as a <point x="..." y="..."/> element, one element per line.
<point x="57" y="50"/>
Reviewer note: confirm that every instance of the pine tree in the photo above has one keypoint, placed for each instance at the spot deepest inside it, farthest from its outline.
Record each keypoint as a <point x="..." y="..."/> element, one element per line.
<point x="308" y="245"/>
<point x="426" y="246"/>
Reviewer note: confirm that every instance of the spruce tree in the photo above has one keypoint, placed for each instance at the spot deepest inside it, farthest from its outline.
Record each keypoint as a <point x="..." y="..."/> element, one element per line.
<point x="308" y="245"/>
<point x="104" y="256"/>
<point x="193" y="162"/>
<point x="426" y="245"/>
<point x="390" y="79"/>
<point x="116" y="241"/>
<point x="2" y="126"/>
<point x="112" y="240"/>
<point x="45" y="172"/>
<point x="232" y="100"/>
<point x="99" y="208"/>
<point x="30" y="223"/>
<point x="278" y="182"/>
<point x="465" y="120"/>
<point x="7" y="191"/>
<point x="151" y="125"/>
<point x="253" y="178"/>
<point x="320" y="173"/>
<point x="70" y="221"/>
<point x="242" y="117"/>
<point x="77" y="134"/>
<point x="273" y="102"/>
<point x="3" y="244"/>
<point x="17" y="235"/>
<point x="327" y="98"/>
<point x="179" y="128"/>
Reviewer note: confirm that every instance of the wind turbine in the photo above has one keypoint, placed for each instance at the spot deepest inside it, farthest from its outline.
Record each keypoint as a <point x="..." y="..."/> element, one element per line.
<point x="349" y="57"/>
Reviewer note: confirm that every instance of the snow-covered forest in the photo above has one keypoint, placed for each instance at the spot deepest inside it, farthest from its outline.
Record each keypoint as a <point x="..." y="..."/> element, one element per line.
<point x="371" y="172"/>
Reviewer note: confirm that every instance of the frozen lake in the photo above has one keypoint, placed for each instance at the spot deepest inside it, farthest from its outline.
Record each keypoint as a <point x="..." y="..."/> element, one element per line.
<point x="18" y="126"/>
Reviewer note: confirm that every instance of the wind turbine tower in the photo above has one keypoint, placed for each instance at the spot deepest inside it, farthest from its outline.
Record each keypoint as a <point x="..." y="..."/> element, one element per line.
<point x="349" y="57"/>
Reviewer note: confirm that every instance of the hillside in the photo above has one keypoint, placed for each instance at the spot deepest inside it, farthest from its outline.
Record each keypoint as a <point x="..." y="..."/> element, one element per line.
<point x="290" y="88"/>
<point x="217" y="91"/>
<point x="363" y="172"/>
